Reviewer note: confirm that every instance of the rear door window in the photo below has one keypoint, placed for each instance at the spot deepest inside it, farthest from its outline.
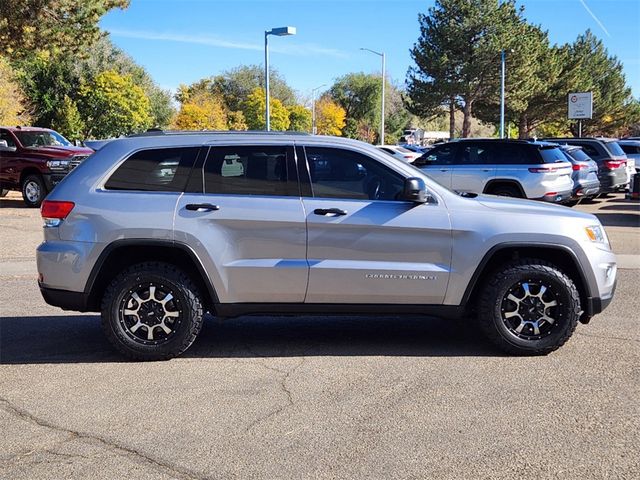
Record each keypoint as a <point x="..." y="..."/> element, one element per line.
<point x="251" y="170"/>
<point x="442" y="155"/>
<point x="590" y="150"/>
<point x="626" y="148"/>
<point x="579" y="155"/>
<point x="162" y="169"/>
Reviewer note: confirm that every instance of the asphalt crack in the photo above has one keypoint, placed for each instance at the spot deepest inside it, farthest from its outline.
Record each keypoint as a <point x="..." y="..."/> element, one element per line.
<point x="605" y="337"/>
<point x="282" y="383"/>
<point x="178" y="472"/>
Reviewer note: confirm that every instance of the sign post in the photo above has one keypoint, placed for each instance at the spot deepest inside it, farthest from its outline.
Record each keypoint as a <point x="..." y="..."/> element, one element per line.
<point x="580" y="105"/>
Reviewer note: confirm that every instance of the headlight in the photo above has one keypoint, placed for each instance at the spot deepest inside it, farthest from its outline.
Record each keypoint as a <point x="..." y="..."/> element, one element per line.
<point x="597" y="234"/>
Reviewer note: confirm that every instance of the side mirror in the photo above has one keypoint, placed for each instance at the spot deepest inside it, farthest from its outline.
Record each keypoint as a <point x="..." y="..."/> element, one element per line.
<point x="414" y="190"/>
<point x="4" y="147"/>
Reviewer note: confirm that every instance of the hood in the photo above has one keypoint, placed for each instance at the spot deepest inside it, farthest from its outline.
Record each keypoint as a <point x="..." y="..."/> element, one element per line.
<point x="58" y="152"/>
<point x="519" y="206"/>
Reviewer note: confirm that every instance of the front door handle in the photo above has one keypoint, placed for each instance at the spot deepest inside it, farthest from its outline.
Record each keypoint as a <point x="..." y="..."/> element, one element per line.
<point x="330" y="211"/>
<point x="444" y="169"/>
<point x="202" y="207"/>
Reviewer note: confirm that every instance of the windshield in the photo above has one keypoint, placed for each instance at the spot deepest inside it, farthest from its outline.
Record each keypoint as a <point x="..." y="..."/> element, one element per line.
<point x="42" y="138"/>
<point x="615" y="149"/>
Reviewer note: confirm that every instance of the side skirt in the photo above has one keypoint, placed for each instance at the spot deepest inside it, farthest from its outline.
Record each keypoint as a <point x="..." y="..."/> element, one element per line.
<point x="239" y="309"/>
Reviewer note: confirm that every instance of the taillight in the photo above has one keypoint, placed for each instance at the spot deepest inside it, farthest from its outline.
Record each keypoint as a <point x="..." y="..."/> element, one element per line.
<point x="55" y="210"/>
<point x="611" y="164"/>
<point x="408" y="156"/>
<point x="543" y="169"/>
<point x="576" y="167"/>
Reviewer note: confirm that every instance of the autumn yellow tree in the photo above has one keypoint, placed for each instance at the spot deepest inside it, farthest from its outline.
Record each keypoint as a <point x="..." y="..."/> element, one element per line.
<point x="202" y="111"/>
<point x="330" y="117"/>
<point x="254" y="107"/>
<point x="12" y="103"/>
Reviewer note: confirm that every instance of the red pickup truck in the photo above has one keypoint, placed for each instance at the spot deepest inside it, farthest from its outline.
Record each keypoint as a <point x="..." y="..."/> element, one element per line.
<point x="34" y="160"/>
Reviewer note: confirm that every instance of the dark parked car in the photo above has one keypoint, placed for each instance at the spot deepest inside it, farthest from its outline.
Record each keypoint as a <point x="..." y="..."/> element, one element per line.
<point x="34" y="160"/>
<point x="611" y="160"/>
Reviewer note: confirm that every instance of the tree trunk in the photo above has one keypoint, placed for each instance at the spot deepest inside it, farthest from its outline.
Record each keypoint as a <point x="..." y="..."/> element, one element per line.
<point x="466" y="119"/>
<point x="523" y="127"/>
<point x="452" y="118"/>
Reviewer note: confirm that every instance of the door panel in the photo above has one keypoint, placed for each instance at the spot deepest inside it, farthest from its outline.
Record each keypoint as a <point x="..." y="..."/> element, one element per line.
<point x="473" y="168"/>
<point x="366" y="247"/>
<point x="252" y="245"/>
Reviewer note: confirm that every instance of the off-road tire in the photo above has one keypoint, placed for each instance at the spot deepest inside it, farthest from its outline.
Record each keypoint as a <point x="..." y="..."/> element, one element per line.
<point x="494" y="294"/>
<point x="170" y="278"/>
<point x="33" y="181"/>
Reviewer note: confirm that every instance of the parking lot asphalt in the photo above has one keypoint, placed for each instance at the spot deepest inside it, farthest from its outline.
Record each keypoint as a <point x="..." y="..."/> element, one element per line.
<point x="314" y="397"/>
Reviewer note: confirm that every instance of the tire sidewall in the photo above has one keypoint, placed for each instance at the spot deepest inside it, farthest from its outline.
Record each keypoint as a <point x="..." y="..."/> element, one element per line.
<point x="564" y="317"/>
<point x="111" y="315"/>
<point x="41" y="187"/>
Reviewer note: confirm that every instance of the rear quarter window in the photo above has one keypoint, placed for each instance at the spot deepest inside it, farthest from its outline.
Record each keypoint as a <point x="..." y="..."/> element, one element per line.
<point x="552" y="155"/>
<point x="163" y="169"/>
<point x="614" y="149"/>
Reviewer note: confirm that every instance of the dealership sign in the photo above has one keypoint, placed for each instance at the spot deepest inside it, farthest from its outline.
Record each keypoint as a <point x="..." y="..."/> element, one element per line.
<point x="581" y="105"/>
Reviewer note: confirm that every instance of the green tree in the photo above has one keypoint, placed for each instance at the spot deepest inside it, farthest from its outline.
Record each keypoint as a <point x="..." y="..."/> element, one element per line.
<point x="68" y="120"/>
<point x="28" y="26"/>
<point x="457" y="55"/>
<point x="236" y="121"/>
<point x="113" y="105"/>
<point x="299" y="118"/>
<point x="104" y="55"/>
<point x="254" y="112"/>
<point x="359" y="95"/>
<point x="237" y="84"/>
<point x="13" y="105"/>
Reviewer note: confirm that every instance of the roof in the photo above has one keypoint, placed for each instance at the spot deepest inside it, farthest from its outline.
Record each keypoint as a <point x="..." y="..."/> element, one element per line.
<point x="19" y="128"/>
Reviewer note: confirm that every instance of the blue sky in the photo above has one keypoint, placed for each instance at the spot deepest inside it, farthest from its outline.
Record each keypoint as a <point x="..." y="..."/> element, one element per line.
<point x="181" y="41"/>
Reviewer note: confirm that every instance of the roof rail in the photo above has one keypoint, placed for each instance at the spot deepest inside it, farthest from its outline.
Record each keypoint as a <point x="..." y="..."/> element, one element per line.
<point x="154" y="132"/>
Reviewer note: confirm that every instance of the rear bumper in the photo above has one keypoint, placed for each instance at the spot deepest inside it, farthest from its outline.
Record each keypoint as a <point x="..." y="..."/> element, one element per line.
<point x="559" y="197"/>
<point x="66" y="300"/>
<point x="586" y="189"/>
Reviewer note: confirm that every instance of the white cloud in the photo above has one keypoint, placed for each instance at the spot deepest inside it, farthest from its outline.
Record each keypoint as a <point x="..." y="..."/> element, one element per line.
<point x="213" y="41"/>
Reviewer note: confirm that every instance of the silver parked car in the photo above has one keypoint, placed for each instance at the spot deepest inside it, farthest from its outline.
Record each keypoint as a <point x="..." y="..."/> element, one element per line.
<point x="510" y="168"/>
<point x="631" y="148"/>
<point x="155" y="230"/>
<point x="585" y="173"/>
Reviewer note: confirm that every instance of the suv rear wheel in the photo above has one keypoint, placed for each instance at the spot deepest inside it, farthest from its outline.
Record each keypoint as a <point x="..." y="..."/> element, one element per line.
<point x="505" y="191"/>
<point x="33" y="190"/>
<point x="529" y="307"/>
<point x="152" y="311"/>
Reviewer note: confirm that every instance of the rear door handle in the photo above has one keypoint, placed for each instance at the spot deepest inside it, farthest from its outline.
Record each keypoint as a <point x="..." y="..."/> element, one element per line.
<point x="202" y="207"/>
<point x="330" y="211"/>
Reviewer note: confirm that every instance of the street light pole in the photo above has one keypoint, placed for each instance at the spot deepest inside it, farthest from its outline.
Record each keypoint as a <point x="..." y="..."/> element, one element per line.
<point x="279" y="32"/>
<point x="381" y="54"/>
<point x="502" y="75"/>
<point x="266" y="80"/>
<point x="313" y="108"/>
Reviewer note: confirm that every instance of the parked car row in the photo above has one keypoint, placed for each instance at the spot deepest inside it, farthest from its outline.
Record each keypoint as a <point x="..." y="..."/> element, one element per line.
<point x="558" y="170"/>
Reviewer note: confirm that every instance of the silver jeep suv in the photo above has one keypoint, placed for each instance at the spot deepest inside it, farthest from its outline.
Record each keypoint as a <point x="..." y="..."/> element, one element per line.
<point x="156" y="230"/>
<point x="510" y="168"/>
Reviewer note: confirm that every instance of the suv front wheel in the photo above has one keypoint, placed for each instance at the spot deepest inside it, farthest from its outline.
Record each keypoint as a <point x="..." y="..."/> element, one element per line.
<point x="152" y="311"/>
<point x="529" y="307"/>
<point x="33" y="190"/>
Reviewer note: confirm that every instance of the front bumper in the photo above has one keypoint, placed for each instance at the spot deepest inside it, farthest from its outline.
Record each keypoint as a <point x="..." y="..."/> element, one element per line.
<point x="52" y="179"/>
